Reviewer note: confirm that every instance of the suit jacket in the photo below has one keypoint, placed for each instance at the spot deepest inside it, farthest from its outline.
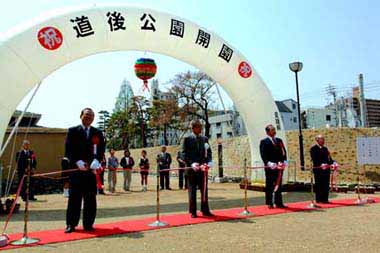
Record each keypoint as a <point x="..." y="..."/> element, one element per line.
<point x="79" y="147"/>
<point x="194" y="151"/>
<point x="125" y="165"/>
<point x="22" y="160"/>
<point x="164" y="161"/>
<point x="181" y="157"/>
<point x="320" y="155"/>
<point x="272" y="152"/>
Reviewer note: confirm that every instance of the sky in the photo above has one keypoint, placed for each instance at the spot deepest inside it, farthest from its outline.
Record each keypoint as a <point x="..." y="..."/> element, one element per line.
<point x="335" y="40"/>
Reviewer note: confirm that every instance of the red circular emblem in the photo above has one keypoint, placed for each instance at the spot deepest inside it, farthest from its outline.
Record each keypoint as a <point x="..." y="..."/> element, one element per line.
<point x="245" y="69"/>
<point x="50" y="38"/>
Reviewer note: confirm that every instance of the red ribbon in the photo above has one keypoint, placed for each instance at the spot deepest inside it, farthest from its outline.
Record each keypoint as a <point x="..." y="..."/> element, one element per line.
<point x="204" y="169"/>
<point x="99" y="184"/>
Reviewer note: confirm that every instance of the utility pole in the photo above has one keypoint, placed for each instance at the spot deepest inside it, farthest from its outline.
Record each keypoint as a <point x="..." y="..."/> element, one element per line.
<point x="332" y="91"/>
<point x="363" y="108"/>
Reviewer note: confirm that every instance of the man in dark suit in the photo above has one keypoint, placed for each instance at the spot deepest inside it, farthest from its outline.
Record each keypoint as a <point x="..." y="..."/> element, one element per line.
<point x="84" y="147"/>
<point x="321" y="168"/>
<point x="273" y="154"/>
<point x="164" y="160"/>
<point x="197" y="155"/>
<point x="181" y="173"/>
<point x="24" y="159"/>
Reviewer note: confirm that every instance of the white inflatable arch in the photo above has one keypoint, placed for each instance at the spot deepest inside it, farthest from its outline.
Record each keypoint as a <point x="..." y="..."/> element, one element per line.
<point x="30" y="53"/>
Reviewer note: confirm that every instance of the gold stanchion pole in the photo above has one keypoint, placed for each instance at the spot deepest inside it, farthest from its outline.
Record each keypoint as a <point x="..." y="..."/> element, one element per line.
<point x="25" y="239"/>
<point x="158" y="223"/>
<point x="246" y="212"/>
<point x="366" y="199"/>
<point x="312" y="204"/>
<point x="359" y="200"/>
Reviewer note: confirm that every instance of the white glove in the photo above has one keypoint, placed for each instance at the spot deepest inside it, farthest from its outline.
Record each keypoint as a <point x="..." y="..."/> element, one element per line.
<point x="335" y="166"/>
<point x="210" y="164"/>
<point x="195" y="166"/>
<point x="66" y="192"/>
<point x="286" y="163"/>
<point x="81" y="164"/>
<point x="95" y="164"/>
<point x="272" y="165"/>
<point x="325" y="166"/>
<point x="281" y="165"/>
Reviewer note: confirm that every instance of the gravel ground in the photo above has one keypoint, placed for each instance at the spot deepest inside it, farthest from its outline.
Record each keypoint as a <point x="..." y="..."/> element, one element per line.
<point x="348" y="229"/>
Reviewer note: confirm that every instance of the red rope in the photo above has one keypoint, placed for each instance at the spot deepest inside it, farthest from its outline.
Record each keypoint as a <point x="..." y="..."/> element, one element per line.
<point x="13" y="204"/>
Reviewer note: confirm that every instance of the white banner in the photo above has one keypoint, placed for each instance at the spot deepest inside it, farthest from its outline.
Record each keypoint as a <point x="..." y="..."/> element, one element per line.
<point x="368" y="150"/>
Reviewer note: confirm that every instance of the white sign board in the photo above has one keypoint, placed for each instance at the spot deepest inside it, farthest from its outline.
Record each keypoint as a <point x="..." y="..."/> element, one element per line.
<point x="368" y="150"/>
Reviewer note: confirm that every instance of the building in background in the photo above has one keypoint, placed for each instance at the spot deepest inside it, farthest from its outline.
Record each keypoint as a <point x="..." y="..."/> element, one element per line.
<point x="29" y="119"/>
<point x="289" y="113"/>
<point x="157" y="94"/>
<point x="226" y="124"/>
<point x="319" y="118"/>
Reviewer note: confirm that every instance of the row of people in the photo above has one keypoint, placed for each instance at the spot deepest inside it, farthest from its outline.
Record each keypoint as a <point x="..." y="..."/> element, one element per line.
<point x="127" y="162"/>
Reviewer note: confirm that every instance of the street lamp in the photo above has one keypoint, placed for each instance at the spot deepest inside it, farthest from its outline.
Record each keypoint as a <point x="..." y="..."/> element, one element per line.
<point x="297" y="67"/>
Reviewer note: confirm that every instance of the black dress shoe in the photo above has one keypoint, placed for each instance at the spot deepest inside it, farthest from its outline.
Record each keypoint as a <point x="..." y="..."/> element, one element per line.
<point x="281" y="206"/>
<point x="89" y="229"/>
<point x="194" y="215"/>
<point x="270" y="206"/>
<point x="69" y="229"/>
<point x="208" y="214"/>
<point x="169" y="189"/>
<point x="33" y="199"/>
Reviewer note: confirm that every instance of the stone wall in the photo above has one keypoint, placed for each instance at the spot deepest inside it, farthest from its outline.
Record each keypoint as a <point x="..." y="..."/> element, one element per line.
<point x="341" y="143"/>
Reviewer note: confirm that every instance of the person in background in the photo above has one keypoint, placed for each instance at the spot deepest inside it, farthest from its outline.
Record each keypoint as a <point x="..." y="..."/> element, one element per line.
<point x="164" y="160"/>
<point x="26" y="162"/>
<point x="113" y="164"/>
<point x="181" y="173"/>
<point x="127" y="163"/>
<point x="144" y="170"/>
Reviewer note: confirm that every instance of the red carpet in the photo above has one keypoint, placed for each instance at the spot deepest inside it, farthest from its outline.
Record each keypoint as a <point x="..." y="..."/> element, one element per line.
<point x="130" y="226"/>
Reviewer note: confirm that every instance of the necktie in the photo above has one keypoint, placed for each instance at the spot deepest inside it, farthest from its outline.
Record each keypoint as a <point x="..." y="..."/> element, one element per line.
<point x="199" y="144"/>
<point x="86" y="131"/>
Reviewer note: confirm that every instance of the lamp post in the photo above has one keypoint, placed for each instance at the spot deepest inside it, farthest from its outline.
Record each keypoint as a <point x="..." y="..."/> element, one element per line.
<point x="297" y="67"/>
<point x="220" y="157"/>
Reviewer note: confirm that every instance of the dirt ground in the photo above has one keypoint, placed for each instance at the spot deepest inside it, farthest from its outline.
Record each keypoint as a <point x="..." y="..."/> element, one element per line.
<point x="348" y="229"/>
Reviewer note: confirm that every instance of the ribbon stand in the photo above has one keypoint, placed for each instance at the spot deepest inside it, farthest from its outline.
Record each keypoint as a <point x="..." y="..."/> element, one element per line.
<point x="246" y="212"/>
<point x="359" y="200"/>
<point x="158" y="223"/>
<point x="367" y="199"/>
<point x="312" y="204"/>
<point x="25" y="239"/>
